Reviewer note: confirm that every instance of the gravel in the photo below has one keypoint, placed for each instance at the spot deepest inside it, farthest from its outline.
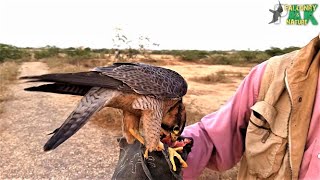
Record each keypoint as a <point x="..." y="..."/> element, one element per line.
<point x="92" y="153"/>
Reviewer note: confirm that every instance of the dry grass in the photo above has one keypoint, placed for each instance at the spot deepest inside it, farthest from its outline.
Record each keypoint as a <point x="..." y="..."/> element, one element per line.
<point x="108" y="118"/>
<point x="193" y="114"/>
<point x="61" y="64"/>
<point x="8" y="73"/>
<point x="232" y="73"/>
<point x="218" y="77"/>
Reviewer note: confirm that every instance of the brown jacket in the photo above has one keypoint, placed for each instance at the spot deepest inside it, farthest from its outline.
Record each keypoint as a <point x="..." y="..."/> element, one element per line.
<point x="279" y="123"/>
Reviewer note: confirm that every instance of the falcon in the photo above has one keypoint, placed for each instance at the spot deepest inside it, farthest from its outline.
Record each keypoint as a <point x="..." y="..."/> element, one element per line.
<point x="146" y="93"/>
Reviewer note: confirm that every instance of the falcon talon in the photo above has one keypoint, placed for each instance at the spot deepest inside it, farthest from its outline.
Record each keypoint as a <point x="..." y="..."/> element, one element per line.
<point x="146" y="154"/>
<point x="173" y="153"/>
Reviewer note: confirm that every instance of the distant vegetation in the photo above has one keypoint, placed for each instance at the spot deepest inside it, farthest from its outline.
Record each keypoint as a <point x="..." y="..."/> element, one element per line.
<point x="74" y="55"/>
<point x="8" y="52"/>
<point x="8" y="73"/>
<point x="226" y="57"/>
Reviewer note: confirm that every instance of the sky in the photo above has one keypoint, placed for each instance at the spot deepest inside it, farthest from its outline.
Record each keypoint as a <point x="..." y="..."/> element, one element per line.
<point x="174" y="24"/>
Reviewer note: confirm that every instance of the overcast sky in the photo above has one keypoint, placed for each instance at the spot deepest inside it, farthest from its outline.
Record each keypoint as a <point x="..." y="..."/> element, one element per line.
<point x="174" y="24"/>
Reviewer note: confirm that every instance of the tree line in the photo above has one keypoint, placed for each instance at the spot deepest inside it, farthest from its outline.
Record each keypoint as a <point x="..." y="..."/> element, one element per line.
<point x="9" y="52"/>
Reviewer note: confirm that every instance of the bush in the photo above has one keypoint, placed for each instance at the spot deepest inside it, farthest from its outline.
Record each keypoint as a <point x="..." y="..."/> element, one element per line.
<point x="220" y="59"/>
<point x="12" y="52"/>
<point x="8" y="73"/>
<point x="103" y="50"/>
<point x="290" y="49"/>
<point x="192" y="55"/>
<point x="248" y="55"/>
<point x="47" y="52"/>
<point x="212" y="78"/>
<point x="260" y="57"/>
<point x="274" y="51"/>
<point x="187" y="55"/>
<point x="80" y="53"/>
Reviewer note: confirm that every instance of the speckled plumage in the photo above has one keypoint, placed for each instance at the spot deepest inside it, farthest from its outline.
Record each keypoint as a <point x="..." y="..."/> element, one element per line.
<point x="148" y="80"/>
<point x="148" y="93"/>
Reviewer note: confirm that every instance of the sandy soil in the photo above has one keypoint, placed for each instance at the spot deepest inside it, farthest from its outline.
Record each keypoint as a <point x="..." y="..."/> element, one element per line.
<point x="91" y="153"/>
<point x="208" y="97"/>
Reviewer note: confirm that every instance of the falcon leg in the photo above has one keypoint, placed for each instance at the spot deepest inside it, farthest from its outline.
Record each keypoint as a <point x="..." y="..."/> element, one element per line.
<point x="130" y="121"/>
<point x="137" y="135"/>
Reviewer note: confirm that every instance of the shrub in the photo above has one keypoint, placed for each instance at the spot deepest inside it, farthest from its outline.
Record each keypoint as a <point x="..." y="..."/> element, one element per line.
<point x="219" y="59"/>
<point x="8" y="73"/>
<point x="192" y="55"/>
<point x="274" y="51"/>
<point x="47" y="52"/>
<point x="290" y="49"/>
<point x="80" y="53"/>
<point x="212" y="78"/>
<point x="11" y="52"/>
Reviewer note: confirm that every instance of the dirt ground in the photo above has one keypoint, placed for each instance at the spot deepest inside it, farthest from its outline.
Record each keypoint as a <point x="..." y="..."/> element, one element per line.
<point x="91" y="153"/>
<point x="208" y="97"/>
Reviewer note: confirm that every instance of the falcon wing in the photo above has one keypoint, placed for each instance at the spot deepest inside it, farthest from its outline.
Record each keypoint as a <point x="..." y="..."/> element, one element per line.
<point x="89" y="104"/>
<point x="147" y="80"/>
<point x="127" y="77"/>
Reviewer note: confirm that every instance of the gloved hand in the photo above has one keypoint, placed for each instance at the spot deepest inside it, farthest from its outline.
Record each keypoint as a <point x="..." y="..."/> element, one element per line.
<point x="132" y="164"/>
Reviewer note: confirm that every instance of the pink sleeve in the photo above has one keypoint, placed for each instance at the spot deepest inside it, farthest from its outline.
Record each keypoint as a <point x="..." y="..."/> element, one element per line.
<point x="219" y="137"/>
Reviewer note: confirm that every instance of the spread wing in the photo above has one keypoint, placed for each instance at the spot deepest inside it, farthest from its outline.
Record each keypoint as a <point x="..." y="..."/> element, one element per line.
<point x="148" y="80"/>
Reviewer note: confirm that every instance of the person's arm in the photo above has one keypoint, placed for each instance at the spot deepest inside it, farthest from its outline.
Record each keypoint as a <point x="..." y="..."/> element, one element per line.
<point x="219" y="137"/>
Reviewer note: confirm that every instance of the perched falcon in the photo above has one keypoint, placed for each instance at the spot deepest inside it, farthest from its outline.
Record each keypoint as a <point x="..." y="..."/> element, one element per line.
<point x="143" y="92"/>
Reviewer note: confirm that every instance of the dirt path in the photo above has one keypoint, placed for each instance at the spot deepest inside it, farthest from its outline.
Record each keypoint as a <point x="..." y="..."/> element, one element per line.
<point x="91" y="153"/>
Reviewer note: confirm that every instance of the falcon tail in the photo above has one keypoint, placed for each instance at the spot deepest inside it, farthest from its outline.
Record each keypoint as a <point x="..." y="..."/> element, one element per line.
<point x="75" y="83"/>
<point x="89" y="104"/>
<point x="61" y="89"/>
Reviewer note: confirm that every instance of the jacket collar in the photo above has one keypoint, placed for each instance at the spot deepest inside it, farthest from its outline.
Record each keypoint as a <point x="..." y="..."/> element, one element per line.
<point x="307" y="57"/>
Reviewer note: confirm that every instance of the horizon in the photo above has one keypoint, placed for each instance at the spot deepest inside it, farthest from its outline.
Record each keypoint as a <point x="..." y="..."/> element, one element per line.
<point x="175" y="25"/>
<point x="83" y="47"/>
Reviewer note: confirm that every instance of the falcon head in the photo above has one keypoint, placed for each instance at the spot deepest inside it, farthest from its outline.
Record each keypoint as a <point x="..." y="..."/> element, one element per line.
<point x="174" y="121"/>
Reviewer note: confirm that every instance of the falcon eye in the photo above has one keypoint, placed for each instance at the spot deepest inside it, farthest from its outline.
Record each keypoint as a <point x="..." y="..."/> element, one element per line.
<point x="176" y="129"/>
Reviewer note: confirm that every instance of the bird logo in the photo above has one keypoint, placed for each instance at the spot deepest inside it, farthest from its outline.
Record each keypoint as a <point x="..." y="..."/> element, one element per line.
<point x="276" y="13"/>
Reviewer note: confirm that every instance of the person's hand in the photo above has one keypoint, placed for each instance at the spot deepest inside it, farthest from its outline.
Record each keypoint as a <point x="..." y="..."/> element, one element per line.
<point x="132" y="164"/>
